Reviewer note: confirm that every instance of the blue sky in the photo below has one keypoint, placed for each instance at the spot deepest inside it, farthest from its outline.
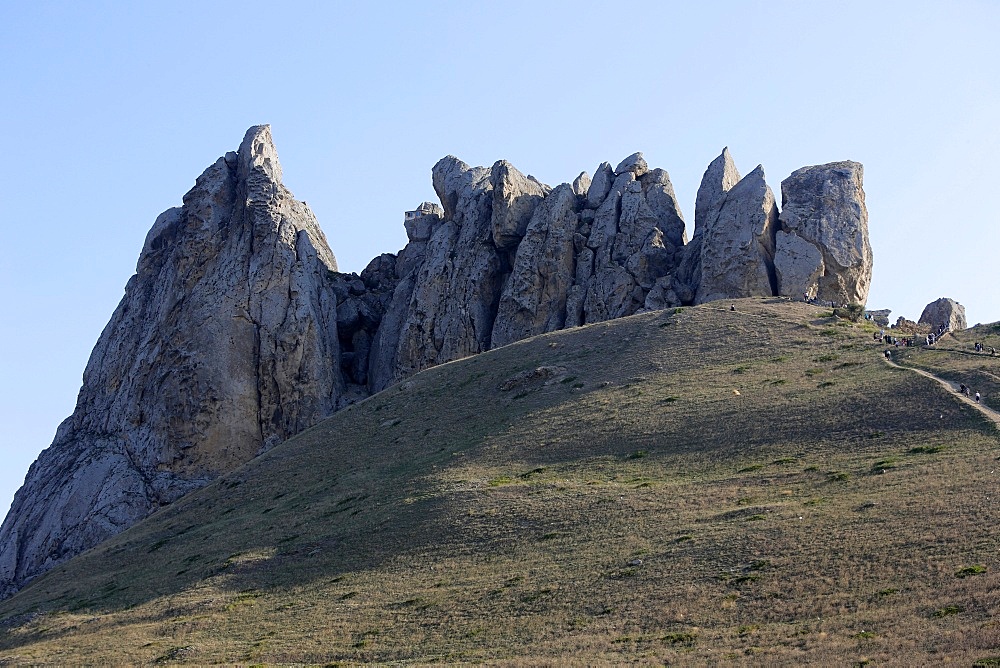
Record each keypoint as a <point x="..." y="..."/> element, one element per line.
<point x="112" y="109"/>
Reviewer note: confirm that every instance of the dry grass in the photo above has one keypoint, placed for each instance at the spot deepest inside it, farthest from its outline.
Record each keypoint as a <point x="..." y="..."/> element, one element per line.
<point x="698" y="487"/>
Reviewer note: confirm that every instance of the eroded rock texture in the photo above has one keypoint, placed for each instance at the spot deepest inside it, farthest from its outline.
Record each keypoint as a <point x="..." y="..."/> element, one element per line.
<point x="221" y="347"/>
<point x="737" y="245"/>
<point x="824" y="251"/>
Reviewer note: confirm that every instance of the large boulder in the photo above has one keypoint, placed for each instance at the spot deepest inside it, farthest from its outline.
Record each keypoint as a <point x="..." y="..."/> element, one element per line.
<point x="737" y="245"/>
<point x="221" y="347"/>
<point x="944" y="313"/>
<point x="824" y="207"/>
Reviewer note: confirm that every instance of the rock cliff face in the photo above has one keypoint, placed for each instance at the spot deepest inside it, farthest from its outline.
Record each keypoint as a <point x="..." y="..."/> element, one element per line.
<point x="221" y="346"/>
<point x="944" y="312"/>
<point x="237" y="331"/>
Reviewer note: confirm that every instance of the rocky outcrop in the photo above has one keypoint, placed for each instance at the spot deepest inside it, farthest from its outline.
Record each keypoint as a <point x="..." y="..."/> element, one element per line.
<point x="237" y="331"/>
<point x="823" y="249"/>
<point x="221" y="347"/>
<point x="944" y="313"/>
<point x="737" y="245"/>
<point x="534" y="297"/>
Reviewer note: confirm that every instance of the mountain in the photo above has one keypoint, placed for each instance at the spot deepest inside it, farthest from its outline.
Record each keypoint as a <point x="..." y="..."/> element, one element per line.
<point x="238" y="332"/>
<point x="694" y="485"/>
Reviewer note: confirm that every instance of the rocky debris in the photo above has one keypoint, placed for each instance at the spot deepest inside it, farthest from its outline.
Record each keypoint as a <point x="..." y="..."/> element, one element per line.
<point x="824" y="207"/>
<point x="220" y="348"/>
<point x="944" y="313"/>
<point x="737" y="244"/>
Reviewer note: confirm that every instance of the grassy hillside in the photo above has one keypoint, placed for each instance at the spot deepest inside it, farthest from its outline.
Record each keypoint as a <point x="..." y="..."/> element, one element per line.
<point x="692" y="486"/>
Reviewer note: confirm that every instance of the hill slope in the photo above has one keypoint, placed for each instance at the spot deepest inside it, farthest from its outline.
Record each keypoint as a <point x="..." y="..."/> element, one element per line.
<point x="696" y="485"/>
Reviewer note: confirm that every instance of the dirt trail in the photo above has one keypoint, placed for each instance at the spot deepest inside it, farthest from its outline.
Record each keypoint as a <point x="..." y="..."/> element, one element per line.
<point x="991" y="414"/>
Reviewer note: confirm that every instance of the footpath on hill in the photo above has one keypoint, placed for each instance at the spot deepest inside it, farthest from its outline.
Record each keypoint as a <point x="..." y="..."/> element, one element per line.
<point x="991" y="414"/>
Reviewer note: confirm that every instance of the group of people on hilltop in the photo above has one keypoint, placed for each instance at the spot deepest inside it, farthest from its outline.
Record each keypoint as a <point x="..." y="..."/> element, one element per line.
<point x="980" y="348"/>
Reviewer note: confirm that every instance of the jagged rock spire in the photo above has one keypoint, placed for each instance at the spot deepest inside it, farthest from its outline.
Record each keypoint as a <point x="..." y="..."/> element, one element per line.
<point x="221" y="347"/>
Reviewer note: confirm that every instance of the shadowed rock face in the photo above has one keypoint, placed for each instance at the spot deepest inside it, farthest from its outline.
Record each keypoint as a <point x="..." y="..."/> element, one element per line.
<point x="237" y="331"/>
<point x="220" y="348"/>
<point x="944" y="312"/>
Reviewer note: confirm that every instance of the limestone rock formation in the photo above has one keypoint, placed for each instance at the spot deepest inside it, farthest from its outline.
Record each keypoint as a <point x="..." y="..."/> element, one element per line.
<point x="946" y="313"/>
<point x="737" y="244"/>
<point x="534" y="298"/>
<point x="515" y="197"/>
<point x="824" y="207"/>
<point x="237" y="330"/>
<point x="221" y="347"/>
<point x="718" y="179"/>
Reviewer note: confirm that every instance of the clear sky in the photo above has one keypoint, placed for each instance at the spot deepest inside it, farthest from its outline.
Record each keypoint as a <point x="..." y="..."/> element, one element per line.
<point x="112" y="109"/>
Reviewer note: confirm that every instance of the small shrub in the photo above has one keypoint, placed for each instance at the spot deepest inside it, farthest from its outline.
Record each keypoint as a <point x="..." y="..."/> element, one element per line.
<point x="814" y="371"/>
<point x="987" y="662"/>
<point x="680" y="638"/>
<point x="887" y="592"/>
<point x="751" y="468"/>
<point x="500" y="480"/>
<point x="826" y="358"/>
<point x="839" y="476"/>
<point x="884" y="464"/>
<point x="568" y="379"/>
<point x="638" y="454"/>
<point x="975" y="569"/>
<point x="865" y="635"/>
<point x="925" y="449"/>
<point x="947" y="611"/>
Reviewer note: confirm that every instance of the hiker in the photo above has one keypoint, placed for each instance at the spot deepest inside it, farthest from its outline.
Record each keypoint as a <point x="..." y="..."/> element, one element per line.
<point x="961" y="388"/>
<point x="888" y="354"/>
<point x="732" y="307"/>
<point x="977" y="397"/>
<point x="993" y="351"/>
